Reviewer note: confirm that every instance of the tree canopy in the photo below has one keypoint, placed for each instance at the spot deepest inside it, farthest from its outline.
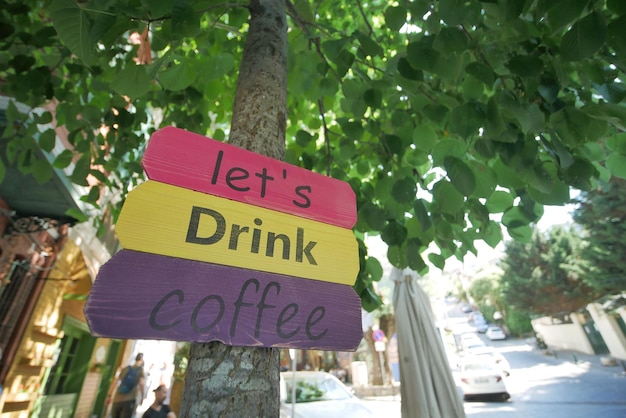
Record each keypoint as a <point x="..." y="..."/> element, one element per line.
<point x="544" y="277"/>
<point x="602" y="215"/>
<point x="441" y="115"/>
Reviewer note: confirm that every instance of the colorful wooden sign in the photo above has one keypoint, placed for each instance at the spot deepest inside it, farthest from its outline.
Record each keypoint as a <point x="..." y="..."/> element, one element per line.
<point x="163" y="219"/>
<point x="148" y="296"/>
<point x="195" y="162"/>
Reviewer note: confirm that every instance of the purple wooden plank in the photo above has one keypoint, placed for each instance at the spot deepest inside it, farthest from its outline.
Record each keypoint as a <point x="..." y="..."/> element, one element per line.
<point x="146" y="296"/>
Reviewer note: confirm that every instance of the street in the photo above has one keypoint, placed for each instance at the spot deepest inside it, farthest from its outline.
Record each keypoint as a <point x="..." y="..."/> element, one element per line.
<point x="542" y="386"/>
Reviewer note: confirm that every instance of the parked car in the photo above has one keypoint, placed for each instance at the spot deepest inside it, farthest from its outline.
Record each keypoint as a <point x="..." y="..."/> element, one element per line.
<point x="496" y="357"/>
<point x="495" y="333"/>
<point x="469" y="336"/>
<point x="479" y="378"/>
<point x="470" y="340"/>
<point x="481" y="326"/>
<point x="318" y="395"/>
<point x="465" y="308"/>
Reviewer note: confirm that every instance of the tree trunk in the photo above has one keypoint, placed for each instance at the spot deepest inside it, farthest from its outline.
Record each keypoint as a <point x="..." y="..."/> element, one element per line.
<point x="224" y="381"/>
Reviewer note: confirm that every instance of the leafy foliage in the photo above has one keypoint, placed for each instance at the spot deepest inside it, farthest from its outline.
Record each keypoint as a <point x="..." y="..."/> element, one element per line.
<point x="439" y="114"/>
<point x="544" y="276"/>
<point x="602" y="215"/>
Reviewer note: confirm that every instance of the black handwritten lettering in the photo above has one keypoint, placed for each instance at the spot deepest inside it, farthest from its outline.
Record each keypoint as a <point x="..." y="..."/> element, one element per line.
<point x="303" y="250"/>
<point x="194" y="223"/>
<point x="159" y="305"/>
<point x="199" y="306"/>
<point x="280" y="322"/>
<point x="312" y="320"/>
<point x="300" y="192"/>
<point x="240" y="180"/>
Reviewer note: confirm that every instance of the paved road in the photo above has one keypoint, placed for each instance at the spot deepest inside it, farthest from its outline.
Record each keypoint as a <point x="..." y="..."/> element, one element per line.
<point x="570" y="385"/>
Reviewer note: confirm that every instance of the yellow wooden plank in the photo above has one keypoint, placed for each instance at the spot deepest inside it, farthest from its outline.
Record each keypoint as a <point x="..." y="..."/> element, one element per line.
<point x="168" y="220"/>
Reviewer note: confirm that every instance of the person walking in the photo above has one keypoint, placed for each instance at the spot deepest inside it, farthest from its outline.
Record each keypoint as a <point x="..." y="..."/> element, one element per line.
<point x="159" y="409"/>
<point x="131" y="386"/>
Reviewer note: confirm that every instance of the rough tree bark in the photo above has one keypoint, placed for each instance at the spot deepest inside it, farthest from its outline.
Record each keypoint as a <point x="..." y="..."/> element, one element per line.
<point x="224" y="381"/>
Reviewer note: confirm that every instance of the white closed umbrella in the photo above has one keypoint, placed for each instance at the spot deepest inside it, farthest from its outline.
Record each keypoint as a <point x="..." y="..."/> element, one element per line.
<point x="426" y="383"/>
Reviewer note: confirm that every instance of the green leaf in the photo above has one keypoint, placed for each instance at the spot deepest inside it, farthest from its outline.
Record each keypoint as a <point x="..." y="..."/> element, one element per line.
<point x="421" y="213"/>
<point x="158" y="8"/>
<point x="217" y="66"/>
<point x="515" y="217"/>
<point x="612" y="113"/>
<point x="422" y="57"/>
<point x="373" y="216"/>
<point x="395" y="17"/>
<point x="573" y="126"/>
<point x="616" y="35"/>
<point x="473" y="89"/>
<point x="437" y="260"/>
<point x="404" y="190"/>
<point x="451" y="40"/>
<point x="47" y="140"/>
<point x="393" y="233"/>
<point x="185" y="20"/>
<point x="81" y="170"/>
<point x="617" y="143"/>
<point x="499" y="201"/>
<point x="369" y="46"/>
<point x="492" y="234"/>
<point x="303" y="7"/>
<point x="73" y="27"/>
<point x="374" y="268"/>
<point x="448" y="147"/>
<point x="521" y="234"/>
<point x="370" y="301"/>
<point x="333" y="48"/>
<point x="481" y="72"/>
<point x="563" y="12"/>
<point x="448" y="67"/>
<point x="486" y="180"/>
<point x="397" y="257"/>
<point x="3" y="170"/>
<point x="42" y="171"/>
<point x="579" y="174"/>
<point x="461" y="175"/>
<point x="424" y="137"/>
<point x="525" y="65"/>
<point x="494" y="124"/>
<point x="407" y="71"/>
<point x="177" y="77"/>
<point x="558" y="195"/>
<point x="449" y="200"/>
<point x="77" y="214"/>
<point x="512" y="8"/>
<point x="414" y="257"/>
<point x="63" y="160"/>
<point x="616" y="163"/>
<point x="21" y="63"/>
<point x="373" y="98"/>
<point x="584" y="38"/>
<point x="466" y="119"/>
<point x="452" y="11"/>
<point x="132" y="81"/>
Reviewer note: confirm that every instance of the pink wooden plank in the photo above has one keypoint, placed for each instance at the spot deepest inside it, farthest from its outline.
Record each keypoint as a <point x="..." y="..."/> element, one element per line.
<point x="181" y="158"/>
<point x="146" y="296"/>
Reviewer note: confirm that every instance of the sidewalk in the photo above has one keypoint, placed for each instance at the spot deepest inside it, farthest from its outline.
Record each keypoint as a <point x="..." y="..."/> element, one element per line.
<point x="601" y="362"/>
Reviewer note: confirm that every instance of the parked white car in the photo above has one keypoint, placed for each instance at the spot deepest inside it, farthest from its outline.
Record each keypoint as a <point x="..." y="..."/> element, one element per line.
<point x="318" y="395"/>
<point x="470" y="341"/>
<point x="495" y="333"/>
<point x="479" y="378"/>
<point x="496" y="357"/>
